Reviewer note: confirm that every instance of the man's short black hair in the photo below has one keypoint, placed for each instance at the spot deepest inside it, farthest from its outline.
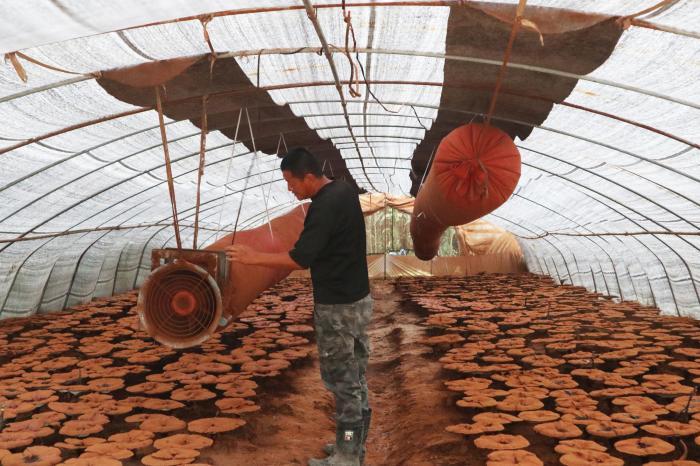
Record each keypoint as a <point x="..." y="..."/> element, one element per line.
<point x="300" y="162"/>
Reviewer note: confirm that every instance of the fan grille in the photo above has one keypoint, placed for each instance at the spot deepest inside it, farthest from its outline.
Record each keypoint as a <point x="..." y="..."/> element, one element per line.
<point x="180" y="305"/>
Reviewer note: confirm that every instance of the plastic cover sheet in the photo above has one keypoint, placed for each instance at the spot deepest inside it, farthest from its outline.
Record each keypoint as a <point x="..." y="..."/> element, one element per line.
<point x="630" y="191"/>
<point x="387" y="232"/>
<point x="385" y="266"/>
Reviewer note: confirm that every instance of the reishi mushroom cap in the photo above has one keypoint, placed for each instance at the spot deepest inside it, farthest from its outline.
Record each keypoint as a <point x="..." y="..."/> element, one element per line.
<point x="512" y="458"/>
<point x="558" y="429"/>
<point x="214" y="425"/>
<point x="644" y="446"/>
<point x="501" y="442"/>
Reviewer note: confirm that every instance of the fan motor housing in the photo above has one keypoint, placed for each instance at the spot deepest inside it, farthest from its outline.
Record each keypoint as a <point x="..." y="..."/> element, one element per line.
<point x="181" y="302"/>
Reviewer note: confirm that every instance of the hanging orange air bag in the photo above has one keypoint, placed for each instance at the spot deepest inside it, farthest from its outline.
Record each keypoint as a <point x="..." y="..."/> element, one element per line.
<point x="475" y="169"/>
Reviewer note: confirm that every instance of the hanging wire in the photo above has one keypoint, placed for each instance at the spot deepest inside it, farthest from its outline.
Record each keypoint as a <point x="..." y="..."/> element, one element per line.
<point x="228" y="171"/>
<point x="262" y="187"/>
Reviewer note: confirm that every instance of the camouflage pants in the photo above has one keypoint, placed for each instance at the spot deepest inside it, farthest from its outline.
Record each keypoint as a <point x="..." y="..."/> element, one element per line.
<point x="343" y="348"/>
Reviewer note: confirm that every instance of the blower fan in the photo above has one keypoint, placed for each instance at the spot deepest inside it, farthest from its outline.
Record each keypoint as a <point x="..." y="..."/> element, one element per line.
<point x="180" y="303"/>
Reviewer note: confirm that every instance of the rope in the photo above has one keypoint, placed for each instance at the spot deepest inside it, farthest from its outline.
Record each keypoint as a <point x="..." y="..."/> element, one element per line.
<point x="205" y="22"/>
<point x="12" y="57"/>
<point x="427" y="168"/>
<point x="330" y="165"/>
<point x="658" y="6"/>
<point x="200" y="172"/>
<point x="484" y="189"/>
<point x="257" y="75"/>
<point x="418" y="118"/>
<point x="279" y="143"/>
<point x="369" y="90"/>
<point x="626" y="21"/>
<point x="212" y="54"/>
<point x="168" y="168"/>
<point x="354" y="75"/>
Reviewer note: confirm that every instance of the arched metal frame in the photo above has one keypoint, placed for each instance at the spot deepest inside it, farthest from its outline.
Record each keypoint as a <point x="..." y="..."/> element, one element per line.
<point x="591" y="239"/>
<point x="619" y="287"/>
<point x="679" y="101"/>
<point x="333" y="127"/>
<point x="555" y="175"/>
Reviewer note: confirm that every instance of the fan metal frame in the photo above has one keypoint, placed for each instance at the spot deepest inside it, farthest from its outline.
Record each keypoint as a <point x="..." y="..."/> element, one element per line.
<point x="175" y="283"/>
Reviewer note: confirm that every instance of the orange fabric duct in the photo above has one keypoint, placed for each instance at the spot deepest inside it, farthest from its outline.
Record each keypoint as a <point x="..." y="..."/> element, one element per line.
<point x="474" y="171"/>
<point x="247" y="282"/>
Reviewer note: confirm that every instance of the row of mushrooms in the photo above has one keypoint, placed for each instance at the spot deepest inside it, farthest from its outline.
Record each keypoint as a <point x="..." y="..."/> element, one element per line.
<point x="88" y="387"/>
<point x="546" y="373"/>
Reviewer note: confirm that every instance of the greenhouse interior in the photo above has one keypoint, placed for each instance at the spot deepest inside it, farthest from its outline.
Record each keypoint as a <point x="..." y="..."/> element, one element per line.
<point x="401" y="233"/>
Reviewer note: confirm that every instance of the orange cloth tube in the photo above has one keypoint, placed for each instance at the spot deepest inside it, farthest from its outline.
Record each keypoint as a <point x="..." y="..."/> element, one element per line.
<point x="247" y="282"/>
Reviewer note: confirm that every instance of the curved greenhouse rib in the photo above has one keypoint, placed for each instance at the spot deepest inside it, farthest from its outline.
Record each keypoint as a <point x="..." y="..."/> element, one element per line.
<point x="320" y="84"/>
<point x="545" y="128"/>
<point x="85" y="174"/>
<point x="218" y="147"/>
<point x="311" y="14"/>
<point x="29" y="256"/>
<point x="685" y="263"/>
<point x="458" y="58"/>
<point x="566" y="265"/>
<point x="24" y="261"/>
<point x="590" y="239"/>
<point x="605" y="205"/>
<point x="642" y="196"/>
<point x="424" y="3"/>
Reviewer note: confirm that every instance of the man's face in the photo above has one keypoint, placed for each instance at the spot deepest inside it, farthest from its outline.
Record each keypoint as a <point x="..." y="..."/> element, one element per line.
<point x="298" y="186"/>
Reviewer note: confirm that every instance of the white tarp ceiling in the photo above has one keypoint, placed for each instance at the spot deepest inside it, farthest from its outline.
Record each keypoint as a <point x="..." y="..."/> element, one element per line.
<point x="601" y="202"/>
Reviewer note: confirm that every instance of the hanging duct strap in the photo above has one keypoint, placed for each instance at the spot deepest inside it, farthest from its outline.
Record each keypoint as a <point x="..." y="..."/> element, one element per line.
<point x="168" y="169"/>
<point x="200" y="172"/>
<point x="474" y="177"/>
<point x="506" y="57"/>
<point x="228" y="179"/>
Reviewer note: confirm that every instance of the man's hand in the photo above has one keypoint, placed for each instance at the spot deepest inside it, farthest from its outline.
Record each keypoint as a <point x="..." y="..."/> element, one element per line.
<point x="249" y="256"/>
<point x="242" y="254"/>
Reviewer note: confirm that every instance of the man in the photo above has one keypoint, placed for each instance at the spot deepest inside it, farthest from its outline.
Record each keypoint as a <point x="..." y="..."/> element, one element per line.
<point x="333" y="245"/>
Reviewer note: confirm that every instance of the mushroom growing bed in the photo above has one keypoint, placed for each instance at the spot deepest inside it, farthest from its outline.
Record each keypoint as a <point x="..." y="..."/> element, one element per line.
<point x="548" y="374"/>
<point x="533" y="374"/>
<point x="88" y="387"/>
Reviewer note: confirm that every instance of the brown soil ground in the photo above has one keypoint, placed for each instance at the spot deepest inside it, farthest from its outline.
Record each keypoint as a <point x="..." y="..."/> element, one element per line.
<point x="410" y="405"/>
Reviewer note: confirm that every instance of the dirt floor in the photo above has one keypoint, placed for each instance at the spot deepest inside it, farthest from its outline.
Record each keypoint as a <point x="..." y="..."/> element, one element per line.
<point x="443" y="351"/>
<point x="411" y="406"/>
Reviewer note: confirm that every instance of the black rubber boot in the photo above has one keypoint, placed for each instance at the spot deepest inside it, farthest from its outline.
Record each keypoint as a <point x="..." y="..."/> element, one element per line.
<point x="329" y="448"/>
<point x="348" y="443"/>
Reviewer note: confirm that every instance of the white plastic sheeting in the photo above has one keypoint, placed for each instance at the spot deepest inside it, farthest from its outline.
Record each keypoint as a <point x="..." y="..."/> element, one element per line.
<point x="587" y="178"/>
